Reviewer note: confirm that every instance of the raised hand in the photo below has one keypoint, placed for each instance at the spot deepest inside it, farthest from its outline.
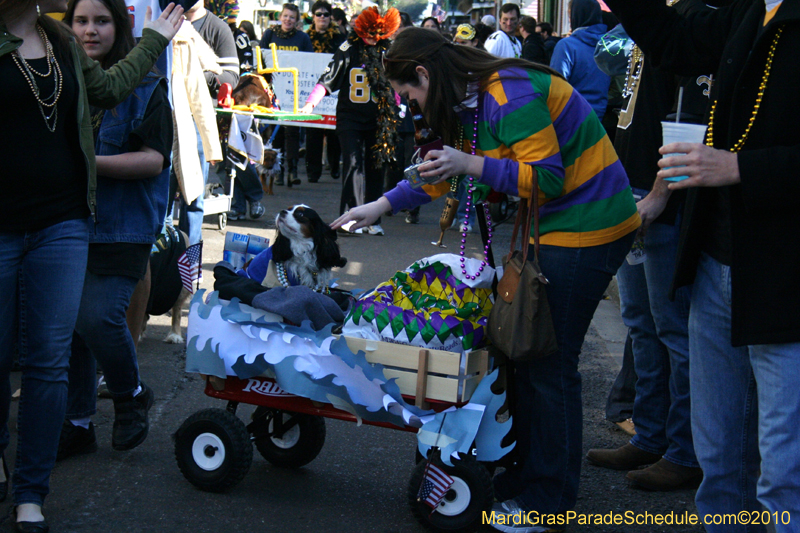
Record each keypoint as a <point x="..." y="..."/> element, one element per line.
<point x="168" y="23"/>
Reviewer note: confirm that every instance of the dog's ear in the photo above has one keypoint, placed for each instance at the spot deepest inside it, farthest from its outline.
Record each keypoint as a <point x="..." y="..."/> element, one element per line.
<point x="328" y="255"/>
<point x="282" y="249"/>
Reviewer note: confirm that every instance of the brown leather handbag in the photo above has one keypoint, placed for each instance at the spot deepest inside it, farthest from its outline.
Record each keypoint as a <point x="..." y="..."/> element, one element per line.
<point x="520" y="324"/>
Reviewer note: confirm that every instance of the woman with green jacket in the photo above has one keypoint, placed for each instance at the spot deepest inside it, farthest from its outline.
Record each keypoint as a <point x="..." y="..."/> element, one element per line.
<point x="49" y="180"/>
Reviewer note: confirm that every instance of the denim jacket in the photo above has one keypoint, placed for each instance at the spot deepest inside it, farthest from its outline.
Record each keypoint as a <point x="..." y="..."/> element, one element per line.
<point x="130" y="210"/>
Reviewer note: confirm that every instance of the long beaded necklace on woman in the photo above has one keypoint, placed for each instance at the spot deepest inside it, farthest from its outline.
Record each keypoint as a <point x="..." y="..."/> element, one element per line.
<point x="761" y="89"/>
<point x="30" y="74"/>
<point x="470" y="190"/>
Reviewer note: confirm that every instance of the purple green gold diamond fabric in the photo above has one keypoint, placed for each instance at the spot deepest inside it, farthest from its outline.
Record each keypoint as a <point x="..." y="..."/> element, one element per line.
<point x="426" y="305"/>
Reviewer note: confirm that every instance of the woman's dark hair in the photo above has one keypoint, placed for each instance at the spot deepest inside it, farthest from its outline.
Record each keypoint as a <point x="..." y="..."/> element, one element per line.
<point x="450" y="68"/>
<point x="291" y="7"/>
<point x="123" y="33"/>
<point x="247" y="27"/>
<point x="405" y="20"/>
<point x="482" y="32"/>
<point x="321" y="4"/>
<point x="435" y="22"/>
<point x="338" y="14"/>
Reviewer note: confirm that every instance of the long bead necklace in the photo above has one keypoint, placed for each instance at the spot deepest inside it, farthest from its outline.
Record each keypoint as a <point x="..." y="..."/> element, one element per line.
<point x="283" y="279"/>
<point x="54" y="69"/>
<point x="761" y="88"/>
<point x="470" y="190"/>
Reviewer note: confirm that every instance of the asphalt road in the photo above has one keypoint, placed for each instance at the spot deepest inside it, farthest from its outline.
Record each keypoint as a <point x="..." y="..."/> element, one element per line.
<point x="359" y="481"/>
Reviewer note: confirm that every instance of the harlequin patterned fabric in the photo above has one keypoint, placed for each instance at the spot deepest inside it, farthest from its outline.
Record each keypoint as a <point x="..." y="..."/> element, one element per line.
<point x="426" y="305"/>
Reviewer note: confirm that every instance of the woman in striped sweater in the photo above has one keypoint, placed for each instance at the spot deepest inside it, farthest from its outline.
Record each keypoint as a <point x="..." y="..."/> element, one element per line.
<point x="509" y="117"/>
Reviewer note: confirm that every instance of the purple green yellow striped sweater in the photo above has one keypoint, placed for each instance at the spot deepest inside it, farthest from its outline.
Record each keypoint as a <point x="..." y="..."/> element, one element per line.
<point x="527" y="119"/>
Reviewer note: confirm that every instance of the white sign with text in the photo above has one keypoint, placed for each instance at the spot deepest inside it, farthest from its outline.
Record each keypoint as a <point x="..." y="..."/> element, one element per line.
<point x="310" y="67"/>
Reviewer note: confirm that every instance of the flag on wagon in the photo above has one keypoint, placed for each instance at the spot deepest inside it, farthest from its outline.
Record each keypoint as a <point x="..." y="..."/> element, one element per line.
<point x="190" y="266"/>
<point x="434" y="486"/>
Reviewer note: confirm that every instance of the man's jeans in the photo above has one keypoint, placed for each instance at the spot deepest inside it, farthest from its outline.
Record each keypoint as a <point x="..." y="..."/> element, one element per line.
<point x="41" y="277"/>
<point x="745" y="400"/>
<point x="619" y="405"/>
<point x="659" y="329"/>
<point x="102" y="335"/>
<point x="247" y="189"/>
<point x="548" y="413"/>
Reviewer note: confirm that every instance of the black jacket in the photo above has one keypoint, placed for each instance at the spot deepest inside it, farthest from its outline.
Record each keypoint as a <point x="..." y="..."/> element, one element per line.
<point x="764" y="208"/>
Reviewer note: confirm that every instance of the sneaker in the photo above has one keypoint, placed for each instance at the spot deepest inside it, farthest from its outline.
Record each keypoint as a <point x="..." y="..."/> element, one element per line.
<point x="75" y="440"/>
<point x="508" y="516"/>
<point x="102" y="388"/>
<point x="292" y="178"/>
<point x="334" y="175"/>
<point x="236" y="215"/>
<point x="412" y="218"/>
<point x="256" y="210"/>
<point x="371" y="230"/>
<point x="130" y="420"/>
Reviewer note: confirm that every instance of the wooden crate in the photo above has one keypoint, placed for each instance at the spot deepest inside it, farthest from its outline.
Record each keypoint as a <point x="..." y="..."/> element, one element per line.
<point x="427" y="374"/>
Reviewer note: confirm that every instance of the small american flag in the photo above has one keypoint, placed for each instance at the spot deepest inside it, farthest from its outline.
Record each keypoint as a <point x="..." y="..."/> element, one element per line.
<point x="190" y="266"/>
<point x="434" y="486"/>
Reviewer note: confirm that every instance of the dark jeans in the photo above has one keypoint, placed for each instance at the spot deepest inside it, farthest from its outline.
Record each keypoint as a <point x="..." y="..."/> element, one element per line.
<point x="102" y="335"/>
<point x="247" y="189"/>
<point x="361" y="173"/>
<point x="314" y="142"/>
<point x="288" y="139"/>
<point x="619" y="406"/>
<point x="548" y="413"/>
<point x="41" y="278"/>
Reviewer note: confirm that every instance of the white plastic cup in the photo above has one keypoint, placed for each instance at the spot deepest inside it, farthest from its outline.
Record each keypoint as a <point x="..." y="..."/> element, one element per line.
<point x="680" y="132"/>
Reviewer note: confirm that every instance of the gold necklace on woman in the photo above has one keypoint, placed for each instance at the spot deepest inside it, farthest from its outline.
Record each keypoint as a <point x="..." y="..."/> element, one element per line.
<point x="761" y="89"/>
<point x="53" y="69"/>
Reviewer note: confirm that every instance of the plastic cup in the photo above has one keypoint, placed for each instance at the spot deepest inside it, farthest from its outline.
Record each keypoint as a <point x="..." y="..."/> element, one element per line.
<point x="680" y="132"/>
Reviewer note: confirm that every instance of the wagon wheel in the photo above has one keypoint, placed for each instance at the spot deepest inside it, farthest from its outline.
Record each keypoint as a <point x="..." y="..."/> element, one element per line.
<point x="471" y="494"/>
<point x="222" y="221"/>
<point x="213" y="450"/>
<point x="285" y="439"/>
<point x="499" y="210"/>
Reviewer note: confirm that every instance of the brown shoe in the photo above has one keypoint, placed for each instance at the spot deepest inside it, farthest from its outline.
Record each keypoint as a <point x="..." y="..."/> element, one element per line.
<point x="627" y="426"/>
<point x="665" y="476"/>
<point x="627" y="457"/>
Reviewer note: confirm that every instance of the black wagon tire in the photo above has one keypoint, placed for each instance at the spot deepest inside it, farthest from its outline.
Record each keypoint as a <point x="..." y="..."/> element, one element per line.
<point x="213" y="450"/>
<point x="286" y="439"/>
<point x="462" y="507"/>
<point x="499" y="210"/>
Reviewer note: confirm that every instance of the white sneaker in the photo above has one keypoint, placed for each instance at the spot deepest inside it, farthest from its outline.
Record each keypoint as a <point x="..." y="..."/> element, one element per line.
<point x="371" y="230"/>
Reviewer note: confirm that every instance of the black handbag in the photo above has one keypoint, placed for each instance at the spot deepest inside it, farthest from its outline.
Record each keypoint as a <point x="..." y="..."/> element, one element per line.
<point x="520" y="324"/>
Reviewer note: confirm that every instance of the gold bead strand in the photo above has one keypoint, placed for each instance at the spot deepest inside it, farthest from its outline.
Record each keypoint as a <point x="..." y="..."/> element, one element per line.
<point x="759" y="97"/>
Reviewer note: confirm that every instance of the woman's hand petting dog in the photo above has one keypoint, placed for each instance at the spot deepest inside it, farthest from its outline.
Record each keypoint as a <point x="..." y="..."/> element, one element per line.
<point x="363" y="215"/>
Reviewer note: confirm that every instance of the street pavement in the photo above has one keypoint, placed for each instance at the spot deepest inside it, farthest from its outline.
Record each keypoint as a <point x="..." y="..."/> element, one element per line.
<point x="359" y="482"/>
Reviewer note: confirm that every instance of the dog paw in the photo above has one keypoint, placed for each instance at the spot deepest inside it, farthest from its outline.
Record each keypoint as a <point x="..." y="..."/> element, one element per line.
<point x="173" y="338"/>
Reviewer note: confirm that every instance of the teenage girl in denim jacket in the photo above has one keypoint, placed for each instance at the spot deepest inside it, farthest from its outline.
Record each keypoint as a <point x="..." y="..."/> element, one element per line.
<point x="132" y="143"/>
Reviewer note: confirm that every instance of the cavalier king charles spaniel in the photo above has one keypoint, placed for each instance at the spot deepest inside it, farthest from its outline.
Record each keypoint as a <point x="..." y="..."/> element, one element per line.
<point x="304" y="252"/>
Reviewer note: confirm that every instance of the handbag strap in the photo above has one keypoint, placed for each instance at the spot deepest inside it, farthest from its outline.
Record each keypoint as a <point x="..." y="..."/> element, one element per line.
<point x="528" y="215"/>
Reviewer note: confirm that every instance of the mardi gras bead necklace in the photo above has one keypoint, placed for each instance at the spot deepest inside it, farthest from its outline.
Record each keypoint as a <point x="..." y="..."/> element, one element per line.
<point x="470" y="191"/>
<point x="761" y="88"/>
<point x="283" y="279"/>
<point x="53" y="69"/>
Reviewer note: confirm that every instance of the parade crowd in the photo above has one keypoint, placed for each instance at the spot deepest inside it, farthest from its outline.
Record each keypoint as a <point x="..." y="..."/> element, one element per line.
<point x="113" y="114"/>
